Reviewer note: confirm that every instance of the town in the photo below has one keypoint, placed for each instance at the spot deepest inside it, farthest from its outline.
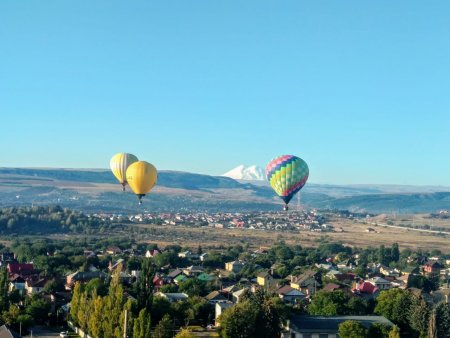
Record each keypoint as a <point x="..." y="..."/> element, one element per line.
<point x="203" y="291"/>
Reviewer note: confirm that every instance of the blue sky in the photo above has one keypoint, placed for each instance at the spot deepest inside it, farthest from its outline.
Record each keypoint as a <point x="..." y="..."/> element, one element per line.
<point x="359" y="89"/>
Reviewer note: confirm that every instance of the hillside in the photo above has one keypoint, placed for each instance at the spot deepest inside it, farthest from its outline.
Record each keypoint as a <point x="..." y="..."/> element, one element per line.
<point x="97" y="190"/>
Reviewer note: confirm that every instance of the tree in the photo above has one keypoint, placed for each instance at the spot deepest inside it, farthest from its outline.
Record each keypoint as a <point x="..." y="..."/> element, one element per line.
<point x="96" y="317"/>
<point x="38" y="308"/>
<point x="395" y="253"/>
<point x="329" y="304"/>
<point x="357" y="306"/>
<point x="164" y="329"/>
<point x="395" y="332"/>
<point x="75" y="303"/>
<point x="4" y="282"/>
<point x="352" y="329"/>
<point x="419" y="316"/>
<point x="113" y="306"/>
<point x="395" y="304"/>
<point x="258" y="316"/>
<point x="142" y="325"/>
<point x="144" y="286"/>
<point x="378" y="330"/>
<point x="442" y="311"/>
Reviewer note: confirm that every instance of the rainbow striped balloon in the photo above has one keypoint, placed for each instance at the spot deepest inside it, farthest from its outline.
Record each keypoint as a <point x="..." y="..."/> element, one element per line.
<point x="287" y="174"/>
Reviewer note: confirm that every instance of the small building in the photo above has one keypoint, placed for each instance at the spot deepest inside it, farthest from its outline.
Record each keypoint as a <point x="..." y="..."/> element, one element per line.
<point x="219" y="309"/>
<point x="7" y="333"/>
<point x="216" y="297"/>
<point x="237" y="295"/>
<point x="152" y="253"/>
<point x="113" y="250"/>
<point x="380" y="283"/>
<point x="290" y="295"/>
<point x="83" y="277"/>
<point x="173" y="297"/>
<point x="327" y="327"/>
<point x="432" y="267"/>
<point x="20" y="268"/>
<point x="35" y="287"/>
<point x="265" y="279"/>
<point x="234" y="266"/>
<point x="193" y="270"/>
<point x="16" y="282"/>
<point x="307" y="282"/>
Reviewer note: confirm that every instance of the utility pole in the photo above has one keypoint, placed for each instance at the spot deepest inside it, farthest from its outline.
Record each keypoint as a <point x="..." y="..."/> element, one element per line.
<point x="125" y="325"/>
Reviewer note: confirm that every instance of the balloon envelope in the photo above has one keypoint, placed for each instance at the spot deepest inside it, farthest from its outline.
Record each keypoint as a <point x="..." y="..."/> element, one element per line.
<point x="141" y="177"/>
<point x="119" y="164"/>
<point x="287" y="174"/>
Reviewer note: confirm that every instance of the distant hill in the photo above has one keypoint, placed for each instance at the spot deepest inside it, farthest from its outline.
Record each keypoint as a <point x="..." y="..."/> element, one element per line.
<point x="98" y="190"/>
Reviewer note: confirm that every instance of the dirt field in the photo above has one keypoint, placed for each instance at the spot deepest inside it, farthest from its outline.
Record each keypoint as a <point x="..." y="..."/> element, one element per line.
<point x="353" y="234"/>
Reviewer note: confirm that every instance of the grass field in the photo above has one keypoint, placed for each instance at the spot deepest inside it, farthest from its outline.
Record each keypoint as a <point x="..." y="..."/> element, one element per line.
<point x="354" y="234"/>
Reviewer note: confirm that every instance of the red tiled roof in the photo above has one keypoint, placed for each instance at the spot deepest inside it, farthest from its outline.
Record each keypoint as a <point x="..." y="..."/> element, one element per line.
<point x="368" y="288"/>
<point x="19" y="267"/>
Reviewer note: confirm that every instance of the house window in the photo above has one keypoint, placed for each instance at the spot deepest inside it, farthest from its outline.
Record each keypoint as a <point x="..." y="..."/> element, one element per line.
<point x="292" y="334"/>
<point x="323" y="335"/>
<point x="307" y="335"/>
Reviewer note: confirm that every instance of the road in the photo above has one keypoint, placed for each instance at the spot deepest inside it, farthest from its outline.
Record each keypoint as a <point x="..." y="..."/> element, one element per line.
<point x="406" y="228"/>
<point x="40" y="332"/>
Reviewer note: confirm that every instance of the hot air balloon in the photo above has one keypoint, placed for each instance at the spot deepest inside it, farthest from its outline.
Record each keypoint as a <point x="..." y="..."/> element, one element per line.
<point x="141" y="177"/>
<point x="287" y="174"/>
<point x="119" y="164"/>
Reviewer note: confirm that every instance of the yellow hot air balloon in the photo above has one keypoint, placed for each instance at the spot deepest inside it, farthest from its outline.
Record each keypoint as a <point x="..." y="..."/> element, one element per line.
<point x="119" y="164"/>
<point x="141" y="177"/>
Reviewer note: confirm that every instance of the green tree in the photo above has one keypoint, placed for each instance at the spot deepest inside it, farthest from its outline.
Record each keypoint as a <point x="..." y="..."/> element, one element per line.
<point x="395" y="253"/>
<point x="142" y="327"/>
<point x="75" y="303"/>
<point x="419" y="316"/>
<point x="352" y="329"/>
<point x="4" y="283"/>
<point x="38" y="308"/>
<point x="395" y="332"/>
<point x="378" y="330"/>
<point x="95" y="327"/>
<point x="395" y="305"/>
<point x="329" y="304"/>
<point x="238" y="321"/>
<point x="442" y="311"/>
<point x="164" y="329"/>
<point x="144" y="286"/>
<point x="113" y="306"/>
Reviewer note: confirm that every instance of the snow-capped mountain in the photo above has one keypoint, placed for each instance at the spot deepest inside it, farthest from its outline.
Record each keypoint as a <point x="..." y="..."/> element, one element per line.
<point x="252" y="173"/>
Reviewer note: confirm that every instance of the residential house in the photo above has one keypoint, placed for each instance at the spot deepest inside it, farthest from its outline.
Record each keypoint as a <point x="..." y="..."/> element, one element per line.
<point x="290" y="295"/>
<point x="330" y="287"/>
<point x="381" y="283"/>
<point x="172" y="297"/>
<point x="83" y="277"/>
<point x="234" y="266"/>
<point x="152" y="253"/>
<point x="34" y="287"/>
<point x="307" y="282"/>
<point x="365" y="289"/>
<point x="390" y="272"/>
<point x="203" y="256"/>
<point x="113" y="266"/>
<point x="237" y="295"/>
<point x="265" y="279"/>
<point x="219" y="309"/>
<point x="432" y="267"/>
<point x="326" y="327"/>
<point x="174" y="274"/>
<point x="16" y="282"/>
<point x="187" y="254"/>
<point x="216" y="297"/>
<point x="23" y="269"/>
<point x="113" y="250"/>
<point x="204" y="277"/>
<point x="193" y="270"/>
<point x="180" y="279"/>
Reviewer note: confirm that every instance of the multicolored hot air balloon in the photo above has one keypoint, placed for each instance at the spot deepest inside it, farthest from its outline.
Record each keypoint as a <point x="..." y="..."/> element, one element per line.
<point x="287" y="174"/>
<point x="141" y="177"/>
<point x="119" y="164"/>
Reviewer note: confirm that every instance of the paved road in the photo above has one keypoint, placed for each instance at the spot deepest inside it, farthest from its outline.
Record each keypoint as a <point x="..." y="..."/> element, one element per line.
<point x="39" y="332"/>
